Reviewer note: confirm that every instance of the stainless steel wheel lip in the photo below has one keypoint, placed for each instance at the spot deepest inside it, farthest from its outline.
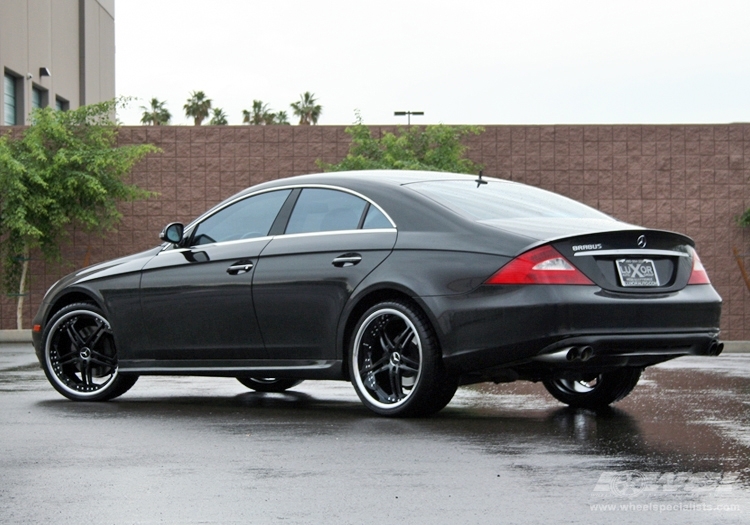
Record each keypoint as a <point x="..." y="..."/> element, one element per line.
<point x="56" y="369"/>
<point x="363" y="329"/>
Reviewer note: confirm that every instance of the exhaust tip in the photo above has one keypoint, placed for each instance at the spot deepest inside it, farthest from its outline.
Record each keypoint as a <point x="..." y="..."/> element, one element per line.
<point x="716" y="347"/>
<point x="587" y="353"/>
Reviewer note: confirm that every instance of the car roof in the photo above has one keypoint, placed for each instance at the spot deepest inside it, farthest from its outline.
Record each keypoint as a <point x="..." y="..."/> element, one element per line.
<point x="386" y="177"/>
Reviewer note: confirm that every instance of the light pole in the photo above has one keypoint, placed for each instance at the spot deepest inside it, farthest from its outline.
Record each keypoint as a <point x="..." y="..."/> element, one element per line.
<point x="408" y="115"/>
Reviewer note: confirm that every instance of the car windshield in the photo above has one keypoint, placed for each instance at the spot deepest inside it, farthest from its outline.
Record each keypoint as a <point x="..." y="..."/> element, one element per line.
<point x="498" y="200"/>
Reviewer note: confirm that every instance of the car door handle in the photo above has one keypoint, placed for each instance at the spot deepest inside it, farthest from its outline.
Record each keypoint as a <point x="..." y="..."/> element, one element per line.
<point x="348" y="259"/>
<point x="237" y="269"/>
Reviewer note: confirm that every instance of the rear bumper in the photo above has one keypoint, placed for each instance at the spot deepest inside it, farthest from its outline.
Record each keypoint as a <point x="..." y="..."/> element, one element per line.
<point x="601" y="352"/>
<point x="532" y="328"/>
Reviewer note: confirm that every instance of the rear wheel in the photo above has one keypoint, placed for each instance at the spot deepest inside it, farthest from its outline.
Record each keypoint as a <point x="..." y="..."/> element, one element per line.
<point x="395" y="362"/>
<point x="268" y="384"/>
<point x="596" y="392"/>
<point x="80" y="358"/>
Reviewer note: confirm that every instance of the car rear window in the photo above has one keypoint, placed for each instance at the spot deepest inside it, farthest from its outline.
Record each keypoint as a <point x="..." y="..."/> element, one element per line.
<point x="494" y="200"/>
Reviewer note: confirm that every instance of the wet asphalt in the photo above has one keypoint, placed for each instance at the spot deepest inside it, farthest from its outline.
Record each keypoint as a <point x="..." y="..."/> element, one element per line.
<point x="206" y="450"/>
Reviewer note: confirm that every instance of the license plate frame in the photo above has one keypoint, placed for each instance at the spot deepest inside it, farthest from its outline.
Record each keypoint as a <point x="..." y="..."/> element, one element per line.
<point x="637" y="273"/>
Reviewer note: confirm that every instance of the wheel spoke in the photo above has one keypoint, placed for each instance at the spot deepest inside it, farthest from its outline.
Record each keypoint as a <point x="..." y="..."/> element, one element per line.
<point x="95" y="361"/>
<point x="383" y="397"/>
<point x="66" y="357"/>
<point x="88" y="379"/>
<point x="93" y="339"/>
<point x="404" y="338"/>
<point x="395" y="378"/>
<point x="75" y="337"/>
<point x="411" y="363"/>
<point x="386" y="343"/>
<point x="73" y="358"/>
<point x="374" y="367"/>
<point x="408" y="369"/>
<point x="101" y="359"/>
<point x="82" y="370"/>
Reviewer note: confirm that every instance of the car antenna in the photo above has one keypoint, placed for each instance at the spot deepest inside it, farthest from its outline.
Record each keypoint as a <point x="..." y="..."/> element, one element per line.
<point x="480" y="181"/>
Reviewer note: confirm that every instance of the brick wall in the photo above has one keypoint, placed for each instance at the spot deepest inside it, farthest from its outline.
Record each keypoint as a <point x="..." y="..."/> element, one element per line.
<point x="691" y="179"/>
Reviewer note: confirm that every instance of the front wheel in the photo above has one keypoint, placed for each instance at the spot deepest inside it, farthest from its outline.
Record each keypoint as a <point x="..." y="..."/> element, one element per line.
<point x="395" y="363"/>
<point x="268" y="384"/>
<point x="596" y="392"/>
<point x="80" y="358"/>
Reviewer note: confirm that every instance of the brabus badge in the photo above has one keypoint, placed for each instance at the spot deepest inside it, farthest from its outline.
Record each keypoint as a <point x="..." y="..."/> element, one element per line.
<point x="641" y="242"/>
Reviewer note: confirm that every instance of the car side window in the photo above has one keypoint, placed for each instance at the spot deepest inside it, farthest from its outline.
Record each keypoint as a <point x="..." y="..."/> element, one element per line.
<point x="375" y="219"/>
<point x="320" y="210"/>
<point x="245" y="219"/>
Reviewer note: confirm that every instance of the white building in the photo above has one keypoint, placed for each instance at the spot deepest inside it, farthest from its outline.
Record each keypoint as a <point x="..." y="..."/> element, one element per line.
<point x="58" y="53"/>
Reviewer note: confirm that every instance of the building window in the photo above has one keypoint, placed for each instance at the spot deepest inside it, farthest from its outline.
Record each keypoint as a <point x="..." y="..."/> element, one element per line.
<point x="37" y="98"/>
<point x="61" y="104"/>
<point x="10" y="100"/>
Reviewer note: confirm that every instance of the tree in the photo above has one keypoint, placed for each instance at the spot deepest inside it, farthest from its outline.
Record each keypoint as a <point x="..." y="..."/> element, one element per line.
<point x="306" y="109"/>
<point x="218" y="117"/>
<point x="259" y="116"/>
<point x="432" y="148"/>
<point x="281" y="118"/>
<point x="155" y="114"/>
<point x="64" y="170"/>
<point x="197" y="107"/>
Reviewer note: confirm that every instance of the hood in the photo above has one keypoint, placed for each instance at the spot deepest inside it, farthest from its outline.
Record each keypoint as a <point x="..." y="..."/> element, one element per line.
<point x="121" y="265"/>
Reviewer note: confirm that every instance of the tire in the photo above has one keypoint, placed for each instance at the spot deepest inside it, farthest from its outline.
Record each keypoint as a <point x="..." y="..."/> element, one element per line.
<point x="79" y="355"/>
<point x="601" y="391"/>
<point x="395" y="363"/>
<point x="267" y="384"/>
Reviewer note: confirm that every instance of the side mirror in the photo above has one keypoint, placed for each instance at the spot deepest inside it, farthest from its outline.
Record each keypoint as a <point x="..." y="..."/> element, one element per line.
<point x="172" y="233"/>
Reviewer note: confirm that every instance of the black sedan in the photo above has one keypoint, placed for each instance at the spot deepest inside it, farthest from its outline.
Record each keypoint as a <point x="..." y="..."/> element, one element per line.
<point x="408" y="284"/>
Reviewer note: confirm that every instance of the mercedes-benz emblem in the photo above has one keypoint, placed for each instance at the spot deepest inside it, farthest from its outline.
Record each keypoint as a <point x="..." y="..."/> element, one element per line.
<point x="641" y="242"/>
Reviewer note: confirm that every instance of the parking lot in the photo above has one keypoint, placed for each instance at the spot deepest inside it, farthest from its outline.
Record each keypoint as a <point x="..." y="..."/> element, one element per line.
<point x="207" y="450"/>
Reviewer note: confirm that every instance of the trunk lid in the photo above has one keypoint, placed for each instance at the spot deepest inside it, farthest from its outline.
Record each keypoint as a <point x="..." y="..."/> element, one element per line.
<point x="633" y="261"/>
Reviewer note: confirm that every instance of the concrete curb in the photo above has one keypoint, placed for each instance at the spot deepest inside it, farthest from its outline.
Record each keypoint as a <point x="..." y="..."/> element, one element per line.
<point x="736" y="347"/>
<point x="15" y="336"/>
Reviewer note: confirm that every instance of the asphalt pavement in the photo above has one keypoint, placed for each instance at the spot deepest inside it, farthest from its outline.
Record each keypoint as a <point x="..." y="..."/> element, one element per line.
<point x="207" y="450"/>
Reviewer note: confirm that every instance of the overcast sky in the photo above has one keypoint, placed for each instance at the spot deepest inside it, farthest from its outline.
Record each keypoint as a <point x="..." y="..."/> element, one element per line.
<point x="468" y="61"/>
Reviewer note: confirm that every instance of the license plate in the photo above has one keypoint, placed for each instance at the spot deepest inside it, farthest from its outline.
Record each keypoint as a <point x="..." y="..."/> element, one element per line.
<point x="637" y="272"/>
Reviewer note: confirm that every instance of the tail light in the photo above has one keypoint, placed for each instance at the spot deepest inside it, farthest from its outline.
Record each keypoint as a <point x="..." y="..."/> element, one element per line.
<point x="543" y="265"/>
<point x="698" y="275"/>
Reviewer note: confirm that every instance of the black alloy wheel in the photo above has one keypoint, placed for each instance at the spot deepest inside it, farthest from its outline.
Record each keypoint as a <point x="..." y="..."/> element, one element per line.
<point x="268" y="384"/>
<point x="80" y="358"/>
<point x="395" y="362"/>
<point x="596" y="392"/>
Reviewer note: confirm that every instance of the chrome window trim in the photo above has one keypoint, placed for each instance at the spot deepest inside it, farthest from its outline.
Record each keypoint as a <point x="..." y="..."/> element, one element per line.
<point x="198" y="247"/>
<point x="334" y="232"/>
<point x="292" y="187"/>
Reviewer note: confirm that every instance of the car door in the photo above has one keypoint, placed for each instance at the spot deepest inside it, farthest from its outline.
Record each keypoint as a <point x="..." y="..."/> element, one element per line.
<point x="303" y="279"/>
<point x="197" y="299"/>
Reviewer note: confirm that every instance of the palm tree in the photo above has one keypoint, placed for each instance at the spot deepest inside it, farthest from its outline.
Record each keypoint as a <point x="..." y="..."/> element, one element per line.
<point x="259" y="116"/>
<point x="218" y="117"/>
<point x="306" y="109"/>
<point x="155" y="114"/>
<point x="281" y="118"/>
<point x="197" y="106"/>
